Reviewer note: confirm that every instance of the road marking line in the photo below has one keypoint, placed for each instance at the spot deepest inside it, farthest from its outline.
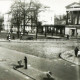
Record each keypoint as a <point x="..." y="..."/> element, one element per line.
<point x="29" y="65"/>
<point x="27" y="77"/>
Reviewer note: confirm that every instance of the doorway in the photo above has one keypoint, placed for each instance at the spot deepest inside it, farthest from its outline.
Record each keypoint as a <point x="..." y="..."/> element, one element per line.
<point x="72" y="32"/>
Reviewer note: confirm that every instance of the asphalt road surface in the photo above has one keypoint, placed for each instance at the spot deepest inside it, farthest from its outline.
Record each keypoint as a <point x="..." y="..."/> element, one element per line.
<point x="9" y="74"/>
<point x="61" y="69"/>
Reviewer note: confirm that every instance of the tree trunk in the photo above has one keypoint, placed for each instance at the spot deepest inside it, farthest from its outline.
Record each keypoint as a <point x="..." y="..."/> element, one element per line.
<point x="18" y="32"/>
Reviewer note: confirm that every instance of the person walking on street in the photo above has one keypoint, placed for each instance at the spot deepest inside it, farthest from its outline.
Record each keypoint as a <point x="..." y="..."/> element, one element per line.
<point x="76" y="51"/>
<point x="25" y="61"/>
<point x="21" y="37"/>
<point x="9" y="38"/>
<point x="67" y="36"/>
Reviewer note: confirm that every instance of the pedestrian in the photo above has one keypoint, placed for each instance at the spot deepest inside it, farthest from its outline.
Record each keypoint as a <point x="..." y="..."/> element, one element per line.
<point x="9" y="38"/>
<point x="76" y="51"/>
<point x="21" y="37"/>
<point x="13" y="37"/>
<point x="67" y="36"/>
<point x="25" y="61"/>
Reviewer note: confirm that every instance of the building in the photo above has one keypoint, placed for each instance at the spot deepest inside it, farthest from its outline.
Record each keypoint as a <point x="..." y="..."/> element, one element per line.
<point x="73" y="20"/>
<point x="7" y="23"/>
<point x="30" y="18"/>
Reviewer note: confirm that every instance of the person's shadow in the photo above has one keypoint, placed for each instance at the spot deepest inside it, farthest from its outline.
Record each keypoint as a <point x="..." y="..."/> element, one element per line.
<point x="19" y="65"/>
<point x="48" y="79"/>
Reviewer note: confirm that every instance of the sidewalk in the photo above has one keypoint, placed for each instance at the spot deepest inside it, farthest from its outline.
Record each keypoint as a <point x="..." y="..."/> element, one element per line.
<point x="31" y="73"/>
<point x="34" y="74"/>
<point x="70" y="56"/>
<point x="39" y="38"/>
<point x="9" y="58"/>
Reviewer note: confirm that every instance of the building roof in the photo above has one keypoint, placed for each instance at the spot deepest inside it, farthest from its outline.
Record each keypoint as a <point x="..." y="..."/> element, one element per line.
<point x="74" y="4"/>
<point x="73" y="7"/>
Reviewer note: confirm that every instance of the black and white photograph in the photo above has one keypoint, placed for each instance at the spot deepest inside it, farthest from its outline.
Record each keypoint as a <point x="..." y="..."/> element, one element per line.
<point x="39" y="39"/>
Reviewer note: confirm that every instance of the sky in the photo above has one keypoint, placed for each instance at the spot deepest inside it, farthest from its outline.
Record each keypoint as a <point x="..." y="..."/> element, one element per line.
<point x="5" y="6"/>
<point x="57" y="7"/>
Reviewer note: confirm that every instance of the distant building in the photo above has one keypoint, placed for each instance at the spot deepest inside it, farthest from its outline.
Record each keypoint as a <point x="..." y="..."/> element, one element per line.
<point x="59" y="19"/>
<point x="31" y="20"/>
<point x="73" y="20"/>
<point x="1" y="21"/>
<point x="46" y="17"/>
<point x="7" y="22"/>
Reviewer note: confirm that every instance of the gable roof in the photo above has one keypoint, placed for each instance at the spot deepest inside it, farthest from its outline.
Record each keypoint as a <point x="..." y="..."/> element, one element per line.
<point x="73" y="5"/>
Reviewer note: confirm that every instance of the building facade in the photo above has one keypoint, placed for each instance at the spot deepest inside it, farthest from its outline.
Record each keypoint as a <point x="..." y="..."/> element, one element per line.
<point x="73" y="20"/>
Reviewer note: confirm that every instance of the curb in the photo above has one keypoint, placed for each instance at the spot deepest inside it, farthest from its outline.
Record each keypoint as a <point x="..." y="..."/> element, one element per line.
<point x="65" y="59"/>
<point x="25" y="74"/>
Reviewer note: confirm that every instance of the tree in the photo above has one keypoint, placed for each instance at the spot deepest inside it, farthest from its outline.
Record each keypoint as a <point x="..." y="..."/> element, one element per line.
<point x="60" y="19"/>
<point x="1" y="22"/>
<point x="26" y="13"/>
<point x="17" y="17"/>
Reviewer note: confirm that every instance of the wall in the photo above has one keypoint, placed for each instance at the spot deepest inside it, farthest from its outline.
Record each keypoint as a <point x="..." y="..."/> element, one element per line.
<point x="66" y="31"/>
<point x="78" y="31"/>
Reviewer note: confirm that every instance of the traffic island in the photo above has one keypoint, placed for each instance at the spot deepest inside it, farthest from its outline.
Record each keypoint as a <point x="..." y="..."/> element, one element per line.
<point x="70" y="57"/>
<point x="34" y="74"/>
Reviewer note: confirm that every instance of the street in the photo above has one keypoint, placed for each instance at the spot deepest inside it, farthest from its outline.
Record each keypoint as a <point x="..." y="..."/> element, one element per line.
<point x="61" y="69"/>
<point x="39" y="40"/>
<point x="9" y="74"/>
